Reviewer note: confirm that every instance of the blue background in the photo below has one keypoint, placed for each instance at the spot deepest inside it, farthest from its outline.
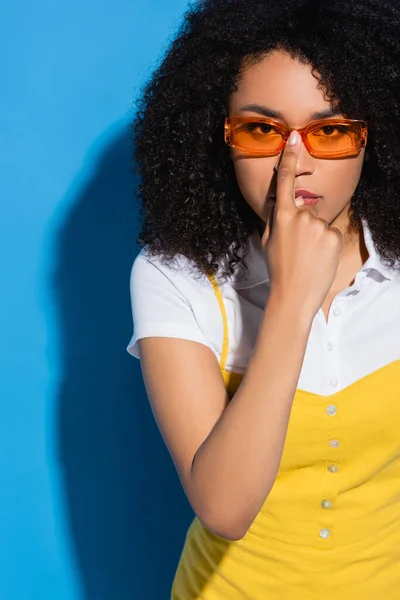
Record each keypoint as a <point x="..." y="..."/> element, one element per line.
<point x="91" y="506"/>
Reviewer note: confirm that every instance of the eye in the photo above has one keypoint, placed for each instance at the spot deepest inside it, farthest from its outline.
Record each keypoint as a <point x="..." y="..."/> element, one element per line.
<point x="263" y="127"/>
<point x="328" y="129"/>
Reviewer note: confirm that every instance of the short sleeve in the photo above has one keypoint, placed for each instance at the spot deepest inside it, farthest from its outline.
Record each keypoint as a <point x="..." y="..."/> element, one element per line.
<point x="159" y="308"/>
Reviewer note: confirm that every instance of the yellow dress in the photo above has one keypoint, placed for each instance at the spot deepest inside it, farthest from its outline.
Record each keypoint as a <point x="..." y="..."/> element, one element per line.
<point x="330" y="527"/>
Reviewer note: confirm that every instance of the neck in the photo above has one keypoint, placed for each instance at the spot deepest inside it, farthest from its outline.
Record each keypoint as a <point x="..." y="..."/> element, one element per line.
<point x="352" y="233"/>
<point x="354" y="253"/>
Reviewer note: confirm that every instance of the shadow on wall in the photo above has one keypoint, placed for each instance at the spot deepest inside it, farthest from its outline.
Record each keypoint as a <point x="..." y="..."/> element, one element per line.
<point x="127" y="511"/>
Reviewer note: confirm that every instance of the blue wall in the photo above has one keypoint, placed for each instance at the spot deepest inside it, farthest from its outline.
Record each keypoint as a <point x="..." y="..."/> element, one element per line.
<point x="91" y="507"/>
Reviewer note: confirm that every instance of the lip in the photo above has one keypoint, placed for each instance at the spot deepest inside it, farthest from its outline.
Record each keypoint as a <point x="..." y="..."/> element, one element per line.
<point x="309" y="197"/>
<point x="305" y="194"/>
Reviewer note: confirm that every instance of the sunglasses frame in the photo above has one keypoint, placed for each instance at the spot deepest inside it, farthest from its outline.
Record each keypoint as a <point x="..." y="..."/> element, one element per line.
<point x="362" y="126"/>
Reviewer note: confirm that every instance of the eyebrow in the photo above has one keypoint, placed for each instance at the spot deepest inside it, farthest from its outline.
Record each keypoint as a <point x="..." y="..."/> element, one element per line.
<point x="274" y="114"/>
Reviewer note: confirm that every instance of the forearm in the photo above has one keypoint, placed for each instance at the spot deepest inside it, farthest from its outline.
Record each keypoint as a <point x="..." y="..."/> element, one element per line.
<point x="236" y="466"/>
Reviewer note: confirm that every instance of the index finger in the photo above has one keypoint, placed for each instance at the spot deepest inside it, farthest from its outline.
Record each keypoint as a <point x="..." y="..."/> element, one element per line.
<point x="286" y="175"/>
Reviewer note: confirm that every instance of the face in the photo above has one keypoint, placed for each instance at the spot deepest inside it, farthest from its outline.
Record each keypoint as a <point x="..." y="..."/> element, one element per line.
<point x="283" y="84"/>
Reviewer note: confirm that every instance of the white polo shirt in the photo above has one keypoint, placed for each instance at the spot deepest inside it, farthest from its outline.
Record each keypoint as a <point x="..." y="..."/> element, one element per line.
<point x="362" y="333"/>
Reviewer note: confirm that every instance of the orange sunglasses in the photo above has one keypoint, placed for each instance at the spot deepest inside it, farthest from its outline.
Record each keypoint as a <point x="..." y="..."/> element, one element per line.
<point x="325" y="138"/>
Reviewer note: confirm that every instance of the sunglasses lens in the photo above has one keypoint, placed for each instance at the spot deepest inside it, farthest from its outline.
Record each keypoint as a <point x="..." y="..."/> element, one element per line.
<point x="333" y="138"/>
<point x="257" y="136"/>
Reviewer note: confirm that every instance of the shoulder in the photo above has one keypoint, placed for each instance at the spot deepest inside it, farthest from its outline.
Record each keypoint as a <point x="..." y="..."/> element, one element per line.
<point x="177" y="274"/>
<point x="169" y="299"/>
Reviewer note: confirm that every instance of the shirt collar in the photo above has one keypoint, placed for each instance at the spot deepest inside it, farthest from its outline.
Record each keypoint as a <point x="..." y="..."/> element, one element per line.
<point x="374" y="262"/>
<point x="258" y="272"/>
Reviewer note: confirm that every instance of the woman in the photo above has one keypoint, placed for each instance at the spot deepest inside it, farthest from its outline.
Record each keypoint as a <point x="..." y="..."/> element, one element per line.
<point x="266" y="297"/>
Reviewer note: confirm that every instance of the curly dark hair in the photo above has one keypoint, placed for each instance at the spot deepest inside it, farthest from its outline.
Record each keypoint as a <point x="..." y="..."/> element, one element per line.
<point x="188" y="193"/>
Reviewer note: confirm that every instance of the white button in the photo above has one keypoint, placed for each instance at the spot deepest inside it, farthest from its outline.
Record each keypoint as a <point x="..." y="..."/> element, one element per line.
<point x="334" y="443"/>
<point x="329" y="346"/>
<point x="324" y="533"/>
<point x="337" y="312"/>
<point x="333" y="382"/>
<point x="331" y="409"/>
<point x="326" y="503"/>
<point x="333" y="468"/>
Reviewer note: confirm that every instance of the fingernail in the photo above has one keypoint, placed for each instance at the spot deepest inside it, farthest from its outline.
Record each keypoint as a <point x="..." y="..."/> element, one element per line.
<point x="294" y="138"/>
<point x="299" y="201"/>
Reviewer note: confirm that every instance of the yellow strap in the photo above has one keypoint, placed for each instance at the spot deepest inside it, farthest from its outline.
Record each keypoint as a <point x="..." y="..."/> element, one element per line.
<point x="217" y="291"/>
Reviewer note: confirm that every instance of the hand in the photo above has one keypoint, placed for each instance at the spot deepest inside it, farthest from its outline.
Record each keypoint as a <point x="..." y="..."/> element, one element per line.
<point x="302" y="251"/>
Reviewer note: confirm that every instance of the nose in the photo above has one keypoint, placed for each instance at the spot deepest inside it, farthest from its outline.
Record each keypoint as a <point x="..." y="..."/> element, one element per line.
<point x="305" y="162"/>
